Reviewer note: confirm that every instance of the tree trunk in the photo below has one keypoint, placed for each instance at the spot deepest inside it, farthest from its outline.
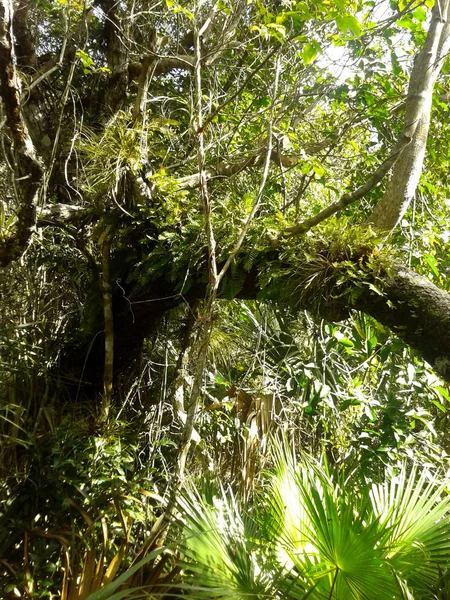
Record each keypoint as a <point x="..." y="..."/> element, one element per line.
<point x="406" y="173"/>
<point x="27" y="169"/>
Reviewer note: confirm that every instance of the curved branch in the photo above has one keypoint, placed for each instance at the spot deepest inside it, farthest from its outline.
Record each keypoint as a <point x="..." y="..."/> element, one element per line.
<point x="357" y="194"/>
<point x="28" y="169"/>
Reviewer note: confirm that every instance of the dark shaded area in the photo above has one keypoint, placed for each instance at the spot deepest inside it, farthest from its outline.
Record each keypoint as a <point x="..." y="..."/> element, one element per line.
<point x="411" y="305"/>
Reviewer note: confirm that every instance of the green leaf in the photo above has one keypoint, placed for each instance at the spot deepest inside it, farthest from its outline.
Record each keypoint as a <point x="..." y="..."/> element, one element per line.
<point x="439" y="406"/>
<point x="318" y="169"/>
<point x="346" y="342"/>
<point x="420" y="14"/>
<point x="341" y="24"/>
<point x="353" y="25"/>
<point x="348" y="23"/>
<point x="106" y="592"/>
<point x="339" y="336"/>
<point x="443" y="391"/>
<point x="375" y="289"/>
<point x="278" y="30"/>
<point x="310" y="52"/>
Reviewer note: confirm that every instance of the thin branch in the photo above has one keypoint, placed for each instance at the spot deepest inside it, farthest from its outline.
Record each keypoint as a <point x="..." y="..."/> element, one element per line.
<point x="204" y="322"/>
<point x="61" y="215"/>
<point x="242" y="87"/>
<point x="357" y="194"/>
<point x="239" y="164"/>
<point x="108" y="368"/>
<point x="259" y="196"/>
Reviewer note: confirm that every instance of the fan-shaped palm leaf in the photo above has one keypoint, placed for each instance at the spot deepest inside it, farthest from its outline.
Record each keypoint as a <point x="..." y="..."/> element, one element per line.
<point x="320" y="534"/>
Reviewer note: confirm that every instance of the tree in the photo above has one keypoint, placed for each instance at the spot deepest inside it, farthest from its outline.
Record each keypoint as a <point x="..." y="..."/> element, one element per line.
<point x="158" y="159"/>
<point x="123" y="161"/>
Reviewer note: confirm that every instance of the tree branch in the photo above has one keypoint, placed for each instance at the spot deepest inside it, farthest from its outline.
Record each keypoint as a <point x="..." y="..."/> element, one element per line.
<point x="61" y="215"/>
<point x="239" y="164"/>
<point x="416" y="310"/>
<point x="357" y="194"/>
<point x="407" y="155"/>
<point x="28" y="169"/>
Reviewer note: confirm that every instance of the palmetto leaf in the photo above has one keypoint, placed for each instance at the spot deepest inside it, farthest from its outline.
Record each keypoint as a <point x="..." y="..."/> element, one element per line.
<point x="416" y="515"/>
<point x="221" y="547"/>
<point x="315" y="533"/>
<point x="324" y="536"/>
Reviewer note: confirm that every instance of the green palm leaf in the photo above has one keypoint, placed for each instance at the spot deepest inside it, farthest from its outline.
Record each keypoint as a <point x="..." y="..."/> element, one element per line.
<point x="221" y="549"/>
<point x="322" y="532"/>
<point x="315" y="533"/>
<point x="416" y="515"/>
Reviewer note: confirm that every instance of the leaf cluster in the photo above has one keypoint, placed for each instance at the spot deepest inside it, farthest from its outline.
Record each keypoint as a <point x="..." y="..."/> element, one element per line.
<point x="328" y="267"/>
<point x="319" y="533"/>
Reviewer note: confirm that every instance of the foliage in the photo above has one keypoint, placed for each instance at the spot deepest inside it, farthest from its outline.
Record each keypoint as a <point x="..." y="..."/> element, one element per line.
<point x="335" y="262"/>
<point x="322" y="533"/>
<point x="276" y="112"/>
<point x="84" y="508"/>
<point x="122" y="146"/>
<point x="349" y="389"/>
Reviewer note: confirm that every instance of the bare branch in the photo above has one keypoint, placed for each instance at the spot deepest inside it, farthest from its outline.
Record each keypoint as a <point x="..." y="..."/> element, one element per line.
<point x="239" y="164"/>
<point x="357" y="194"/>
<point x="165" y="64"/>
<point x="61" y="215"/>
<point x="108" y="368"/>
<point x="259" y="196"/>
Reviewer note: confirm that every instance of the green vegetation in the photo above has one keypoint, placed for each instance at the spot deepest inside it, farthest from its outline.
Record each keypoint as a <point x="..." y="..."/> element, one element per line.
<point x="224" y="299"/>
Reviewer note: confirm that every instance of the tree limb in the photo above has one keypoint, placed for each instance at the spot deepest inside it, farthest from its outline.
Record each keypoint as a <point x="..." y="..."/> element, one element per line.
<point x="61" y="215"/>
<point x="357" y="194"/>
<point x="416" y="310"/>
<point x="28" y="169"/>
<point x="406" y="174"/>
<point x="238" y="164"/>
<point x="408" y="153"/>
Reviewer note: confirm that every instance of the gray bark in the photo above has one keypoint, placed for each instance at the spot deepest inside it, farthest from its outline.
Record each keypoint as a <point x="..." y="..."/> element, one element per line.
<point x="417" y="311"/>
<point x="406" y="173"/>
<point x="27" y="167"/>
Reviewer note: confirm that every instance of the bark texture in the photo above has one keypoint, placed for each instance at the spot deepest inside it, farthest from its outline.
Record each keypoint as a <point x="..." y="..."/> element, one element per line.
<point x="406" y="173"/>
<point x="417" y="311"/>
<point x="27" y="168"/>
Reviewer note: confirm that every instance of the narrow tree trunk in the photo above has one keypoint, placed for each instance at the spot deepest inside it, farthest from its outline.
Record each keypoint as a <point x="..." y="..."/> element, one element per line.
<point x="25" y="50"/>
<point x="108" y="370"/>
<point x="407" y="170"/>
<point x="28" y="168"/>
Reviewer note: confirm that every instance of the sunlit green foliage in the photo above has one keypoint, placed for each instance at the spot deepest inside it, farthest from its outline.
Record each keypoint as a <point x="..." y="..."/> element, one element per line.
<point x="319" y="533"/>
<point x="367" y="515"/>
